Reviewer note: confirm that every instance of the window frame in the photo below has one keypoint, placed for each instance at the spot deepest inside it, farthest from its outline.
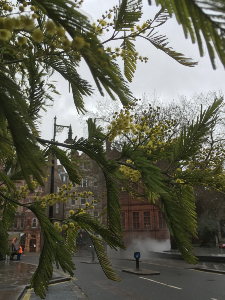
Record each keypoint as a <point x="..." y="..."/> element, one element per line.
<point x="15" y="223"/>
<point x="21" y="222"/>
<point x="35" y="223"/>
<point x="85" y="200"/>
<point x="84" y="180"/>
<point x="136" y="220"/>
<point x="147" y="220"/>
<point x="161" y="221"/>
<point x="57" y="208"/>
<point x="95" y="182"/>
<point x="123" y="219"/>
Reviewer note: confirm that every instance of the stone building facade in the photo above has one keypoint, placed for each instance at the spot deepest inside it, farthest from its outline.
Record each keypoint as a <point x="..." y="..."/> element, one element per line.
<point x="92" y="181"/>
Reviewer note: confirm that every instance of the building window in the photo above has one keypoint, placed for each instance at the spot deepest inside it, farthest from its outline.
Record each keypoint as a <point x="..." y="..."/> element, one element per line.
<point x="20" y="208"/>
<point x="72" y="201"/>
<point x="136" y="224"/>
<point x="37" y="189"/>
<point x="95" y="182"/>
<point x="84" y="182"/>
<point x="122" y="214"/>
<point x="95" y="214"/>
<point x="15" y="223"/>
<point x="147" y="220"/>
<point x="57" y="189"/>
<point x="34" y="223"/>
<point x="57" y="208"/>
<point x="21" y="223"/>
<point x="63" y="177"/>
<point x="83" y="201"/>
<point x="162" y="222"/>
<point x="81" y="166"/>
<point x="85" y="167"/>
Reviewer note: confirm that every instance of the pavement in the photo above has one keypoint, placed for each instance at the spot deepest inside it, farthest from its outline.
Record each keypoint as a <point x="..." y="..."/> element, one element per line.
<point x="15" y="275"/>
<point x="15" y="279"/>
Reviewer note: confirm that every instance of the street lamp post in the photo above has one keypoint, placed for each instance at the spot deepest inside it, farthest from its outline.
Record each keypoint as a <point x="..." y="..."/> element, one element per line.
<point x="69" y="140"/>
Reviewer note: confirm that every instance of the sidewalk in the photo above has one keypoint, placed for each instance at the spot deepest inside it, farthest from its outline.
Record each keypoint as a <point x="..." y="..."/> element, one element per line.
<point x="15" y="283"/>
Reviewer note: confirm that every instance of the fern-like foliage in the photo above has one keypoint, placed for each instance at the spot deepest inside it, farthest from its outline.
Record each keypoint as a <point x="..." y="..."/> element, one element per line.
<point x="178" y="208"/>
<point x="67" y="69"/>
<point x="103" y="258"/>
<point x="111" y="79"/>
<point x="70" y="241"/>
<point x="161" y="41"/>
<point x="53" y="251"/>
<point x="7" y="214"/>
<point x="201" y="20"/>
<point x="94" y="131"/>
<point x="96" y="152"/>
<point x="129" y="59"/>
<point x="94" y="149"/>
<point x="15" y="112"/>
<point x="63" y="13"/>
<point x="91" y="225"/>
<point x="7" y="181"/>
<point x="192" y="138"/>
<point x="66" y="162"/>
<point x="177" y="201"/>
<point x="129" y="13"/>
<point x="38" y="91"/>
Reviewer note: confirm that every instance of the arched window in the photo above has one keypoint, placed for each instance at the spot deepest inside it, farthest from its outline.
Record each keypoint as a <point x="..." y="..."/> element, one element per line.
<point x="34" y="223"/>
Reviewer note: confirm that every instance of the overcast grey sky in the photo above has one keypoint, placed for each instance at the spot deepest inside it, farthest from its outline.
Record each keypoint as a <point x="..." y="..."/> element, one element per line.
<point x="161" y="74"/>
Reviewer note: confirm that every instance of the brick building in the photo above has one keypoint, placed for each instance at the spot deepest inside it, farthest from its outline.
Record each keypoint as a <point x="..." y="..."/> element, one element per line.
<point x="26" y="224"/>
<point x="140" y="220"/>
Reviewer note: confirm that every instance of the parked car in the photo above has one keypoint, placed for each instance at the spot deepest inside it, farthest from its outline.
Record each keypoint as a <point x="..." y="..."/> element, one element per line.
<point x="222" y="246"/>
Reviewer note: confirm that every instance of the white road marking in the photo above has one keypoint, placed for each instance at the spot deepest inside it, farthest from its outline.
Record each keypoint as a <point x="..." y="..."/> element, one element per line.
<point x="213" y="299"/>
<point x="175" y="287"/>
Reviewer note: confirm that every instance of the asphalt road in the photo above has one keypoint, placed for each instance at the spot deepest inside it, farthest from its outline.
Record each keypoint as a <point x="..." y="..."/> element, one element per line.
<point x="177" y="281"/>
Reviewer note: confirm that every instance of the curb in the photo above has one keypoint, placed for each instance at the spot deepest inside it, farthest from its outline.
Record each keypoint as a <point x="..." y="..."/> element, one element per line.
<point x="140" y="271"/>
<point x="53" y="281"/>
<point x="207" y="270"/>
<point x="78" y="292"/>
<point x="179" y="257"/>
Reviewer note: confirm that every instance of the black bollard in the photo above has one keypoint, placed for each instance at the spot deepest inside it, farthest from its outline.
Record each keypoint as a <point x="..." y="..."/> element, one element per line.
<point x="137" y="255"/>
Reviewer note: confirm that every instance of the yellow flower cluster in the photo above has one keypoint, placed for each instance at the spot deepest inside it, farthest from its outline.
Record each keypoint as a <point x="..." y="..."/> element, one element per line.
<point x="121" y="123"/>
<point x="129" y="173"/>
<point x="64" y="226"/>
<point x="146" y="132"/>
